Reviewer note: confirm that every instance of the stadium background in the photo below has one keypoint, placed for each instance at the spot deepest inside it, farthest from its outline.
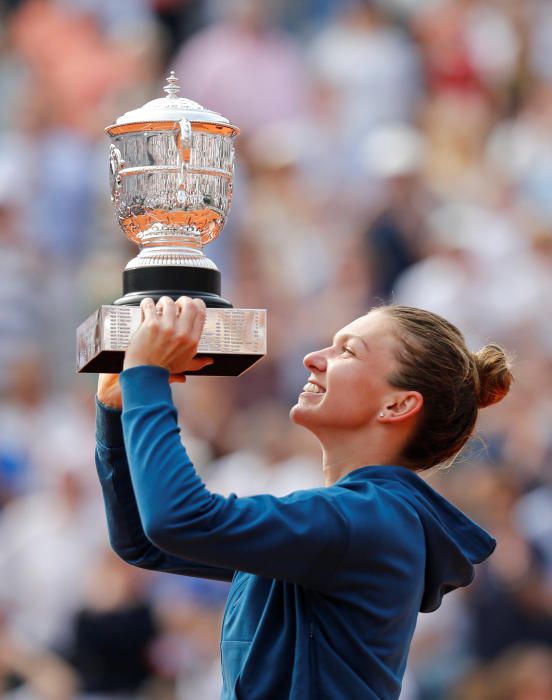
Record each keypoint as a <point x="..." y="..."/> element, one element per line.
<point x="394" y="150"/>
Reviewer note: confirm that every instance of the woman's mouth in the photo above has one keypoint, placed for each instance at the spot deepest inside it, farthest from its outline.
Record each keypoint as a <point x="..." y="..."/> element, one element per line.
<point x="311" y="388"/>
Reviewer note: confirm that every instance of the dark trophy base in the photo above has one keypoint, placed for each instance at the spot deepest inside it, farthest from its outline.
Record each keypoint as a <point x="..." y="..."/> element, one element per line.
<point x="111" y="362"/>
<point x="172" y="281"/>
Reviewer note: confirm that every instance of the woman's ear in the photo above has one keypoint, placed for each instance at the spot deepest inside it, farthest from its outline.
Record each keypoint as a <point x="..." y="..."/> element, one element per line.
<point x="402" y="406"/>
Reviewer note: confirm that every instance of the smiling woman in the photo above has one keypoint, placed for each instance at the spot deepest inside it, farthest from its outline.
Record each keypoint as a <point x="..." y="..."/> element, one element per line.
<point x="327" y="582"/>
<point x="401" y="383"/>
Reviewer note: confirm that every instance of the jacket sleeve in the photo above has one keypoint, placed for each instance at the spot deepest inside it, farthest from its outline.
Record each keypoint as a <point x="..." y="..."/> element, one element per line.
<point x="126" y="534"/>
<point x="300" y="538"/>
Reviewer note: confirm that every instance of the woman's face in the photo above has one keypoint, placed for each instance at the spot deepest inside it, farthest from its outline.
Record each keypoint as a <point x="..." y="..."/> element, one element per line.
<point x="347" y="386"/>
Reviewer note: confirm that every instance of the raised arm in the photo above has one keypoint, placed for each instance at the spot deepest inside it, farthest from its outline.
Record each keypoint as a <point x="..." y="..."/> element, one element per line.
<point x="126" y="533"/>
<point x="300" y="538"/>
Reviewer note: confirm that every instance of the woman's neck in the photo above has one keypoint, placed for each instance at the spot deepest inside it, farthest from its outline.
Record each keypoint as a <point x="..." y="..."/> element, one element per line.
<point x="343" y="454"/>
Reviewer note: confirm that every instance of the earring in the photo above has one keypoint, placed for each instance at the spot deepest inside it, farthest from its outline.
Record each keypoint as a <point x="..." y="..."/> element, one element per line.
<point x="382" y="415"/>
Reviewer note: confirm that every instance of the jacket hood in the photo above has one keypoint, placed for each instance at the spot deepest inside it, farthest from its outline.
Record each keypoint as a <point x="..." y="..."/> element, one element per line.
<point x="454" y="542"/>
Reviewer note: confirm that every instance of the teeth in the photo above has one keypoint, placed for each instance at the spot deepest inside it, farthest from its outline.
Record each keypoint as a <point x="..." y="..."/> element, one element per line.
<point x="313" y="388"/>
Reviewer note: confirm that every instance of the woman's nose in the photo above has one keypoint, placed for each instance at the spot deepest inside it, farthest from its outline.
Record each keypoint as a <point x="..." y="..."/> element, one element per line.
<point x="315" y="361"/>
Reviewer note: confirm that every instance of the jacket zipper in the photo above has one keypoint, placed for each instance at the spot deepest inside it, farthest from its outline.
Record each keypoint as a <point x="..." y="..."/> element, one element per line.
<point x="312" y="663"/>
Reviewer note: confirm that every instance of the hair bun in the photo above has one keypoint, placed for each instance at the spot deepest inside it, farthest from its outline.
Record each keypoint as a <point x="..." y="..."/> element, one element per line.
<point x="493" y="375"/>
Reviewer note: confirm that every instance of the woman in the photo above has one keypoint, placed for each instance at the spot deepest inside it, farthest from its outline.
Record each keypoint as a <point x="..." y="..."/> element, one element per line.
<point x="326" y="583"/>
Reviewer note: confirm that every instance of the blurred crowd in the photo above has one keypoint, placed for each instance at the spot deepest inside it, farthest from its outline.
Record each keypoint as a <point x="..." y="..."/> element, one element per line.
<point x="391" y="151"/>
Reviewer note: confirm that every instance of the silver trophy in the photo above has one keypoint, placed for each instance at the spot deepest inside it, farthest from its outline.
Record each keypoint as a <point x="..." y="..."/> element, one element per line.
<point x="171" y="171"/>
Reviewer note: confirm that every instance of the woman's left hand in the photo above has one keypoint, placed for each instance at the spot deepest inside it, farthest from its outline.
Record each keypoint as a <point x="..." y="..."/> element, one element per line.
<point x="168" y="335"/>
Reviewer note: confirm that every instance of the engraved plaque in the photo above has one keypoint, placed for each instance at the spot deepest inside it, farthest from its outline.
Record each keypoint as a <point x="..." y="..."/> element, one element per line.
<point x="234" y="338"/>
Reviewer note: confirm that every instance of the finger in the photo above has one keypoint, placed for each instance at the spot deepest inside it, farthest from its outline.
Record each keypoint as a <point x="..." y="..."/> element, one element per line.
<point x="147" y="309"/>
<point x="199" y="363"/>
<point x="200" y="304"/>
<point x="183" y="301"/>
<point x="166" y="307"/>
<point x="199" y="320"/>
<point x="186" y="317"/>
<point x="177" y="379"/>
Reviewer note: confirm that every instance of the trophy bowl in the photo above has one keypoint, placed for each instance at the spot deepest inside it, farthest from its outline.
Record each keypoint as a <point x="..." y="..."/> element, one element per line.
<point x="171" y="174"/>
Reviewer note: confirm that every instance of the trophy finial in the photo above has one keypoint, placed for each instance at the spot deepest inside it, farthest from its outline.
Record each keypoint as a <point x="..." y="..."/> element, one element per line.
<point x="172" y="88"/>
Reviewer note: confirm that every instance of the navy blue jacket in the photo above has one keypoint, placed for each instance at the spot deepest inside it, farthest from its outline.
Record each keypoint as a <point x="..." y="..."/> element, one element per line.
<point x="326" y="583"/>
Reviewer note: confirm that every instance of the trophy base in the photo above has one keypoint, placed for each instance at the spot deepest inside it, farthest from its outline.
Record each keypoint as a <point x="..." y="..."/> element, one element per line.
<point x="230" y="365"/>
<point x="212" y="301"/>
<point x="172" y="281"/>
<point x="234" y="338"/>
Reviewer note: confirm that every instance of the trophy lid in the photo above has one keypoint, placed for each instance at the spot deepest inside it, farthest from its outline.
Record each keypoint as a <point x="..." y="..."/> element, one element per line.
<point x="172" y="108"/>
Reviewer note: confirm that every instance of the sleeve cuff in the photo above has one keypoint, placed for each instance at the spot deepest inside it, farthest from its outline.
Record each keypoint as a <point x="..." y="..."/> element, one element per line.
<point x="109" y="430"/>
<point x="145" y="385"/>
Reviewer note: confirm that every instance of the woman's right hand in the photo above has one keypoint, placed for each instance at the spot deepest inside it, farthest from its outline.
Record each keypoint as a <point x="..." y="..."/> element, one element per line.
<point x="109" y="389"/>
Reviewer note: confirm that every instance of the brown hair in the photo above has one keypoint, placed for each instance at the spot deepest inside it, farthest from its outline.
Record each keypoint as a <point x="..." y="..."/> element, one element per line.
<point x="454" y="382"/>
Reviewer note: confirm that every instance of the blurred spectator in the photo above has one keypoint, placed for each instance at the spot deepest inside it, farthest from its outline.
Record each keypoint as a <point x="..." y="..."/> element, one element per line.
<point x="48" y="543"/>
<point x="520" y="674"/>
<point x="244" y="67"/>
<point x="512" y="603"/>
<point x="180" y="19"/>
<point x="396" y="235"/>
<point x="22" y="286"/>
<point x="27" y="673"/>
<point x="469" y="46"/>
<point x="469" y="272"/>
<point x="278" y="458"/>
<point x="533" y="513"/>
<point x="372" y="69"/>
<point x="112" y="632"/>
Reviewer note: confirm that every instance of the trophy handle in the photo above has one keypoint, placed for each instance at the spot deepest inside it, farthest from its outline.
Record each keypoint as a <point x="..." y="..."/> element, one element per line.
<point x="116" y="163"/>
<point x="183" y="138"/>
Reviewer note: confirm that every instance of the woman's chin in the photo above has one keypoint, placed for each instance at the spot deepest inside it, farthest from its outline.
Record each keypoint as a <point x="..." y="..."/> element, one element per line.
<point x="301" y="415"/>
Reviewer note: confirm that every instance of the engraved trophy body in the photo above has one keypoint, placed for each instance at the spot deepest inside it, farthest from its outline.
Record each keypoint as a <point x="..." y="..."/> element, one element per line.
<point x="171" y="173"/>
